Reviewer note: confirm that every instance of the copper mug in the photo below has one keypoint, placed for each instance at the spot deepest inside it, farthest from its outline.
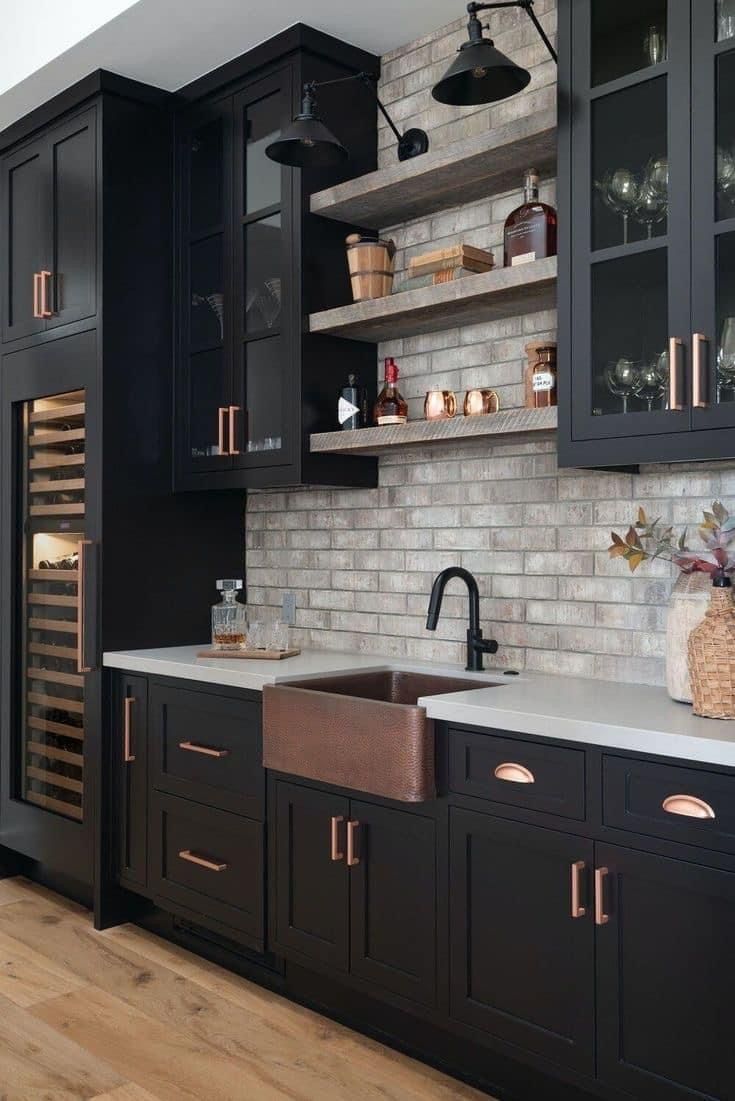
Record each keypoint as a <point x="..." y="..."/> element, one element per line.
<point x="439" y="405"/>
<point x="479" y="402"/>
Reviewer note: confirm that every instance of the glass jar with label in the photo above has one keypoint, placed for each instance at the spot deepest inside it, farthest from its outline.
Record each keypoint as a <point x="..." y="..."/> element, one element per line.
<point x="540" y="386"/>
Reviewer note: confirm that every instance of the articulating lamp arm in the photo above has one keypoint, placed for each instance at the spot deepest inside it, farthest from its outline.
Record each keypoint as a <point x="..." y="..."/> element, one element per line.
<point x="527" y="5"/>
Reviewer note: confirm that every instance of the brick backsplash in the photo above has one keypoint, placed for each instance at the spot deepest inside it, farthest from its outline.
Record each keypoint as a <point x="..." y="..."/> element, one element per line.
<point x="361" y="562"/>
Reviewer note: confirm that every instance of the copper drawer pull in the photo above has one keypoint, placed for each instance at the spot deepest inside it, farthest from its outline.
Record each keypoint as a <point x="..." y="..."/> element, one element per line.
<point x="221" y="430"/>
<point x="676" y="347"/>
<point x="200" y="861"/>
<point x="578" y="867"/>
<point x="601" y="918"/>
<point x="335" y="852"/>
<point x="699" y="372"/>
<point x="352" y="860"/>
<point x="128" y="755"/>
<point x="233" y="409"/>
<point x="82" y="667"/>
<point x="205" y="750"/>
<point x="37" y="296"/>
<point x="45" y="311"/>
<point x="514" y="774"/>
<point x="690" y="806"/>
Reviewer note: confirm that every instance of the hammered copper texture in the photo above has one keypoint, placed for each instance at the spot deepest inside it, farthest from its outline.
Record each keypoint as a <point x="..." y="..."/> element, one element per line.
<point x="326" y="730"/>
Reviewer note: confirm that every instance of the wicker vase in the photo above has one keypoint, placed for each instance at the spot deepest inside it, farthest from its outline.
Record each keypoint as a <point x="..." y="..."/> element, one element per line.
<point x="712" y="656"/>
<point x="687" y="607"/>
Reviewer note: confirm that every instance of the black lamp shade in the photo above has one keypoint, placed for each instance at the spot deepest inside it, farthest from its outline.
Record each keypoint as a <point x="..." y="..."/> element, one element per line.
<point x="307" y="143"/>
<point x="480" y="74"/>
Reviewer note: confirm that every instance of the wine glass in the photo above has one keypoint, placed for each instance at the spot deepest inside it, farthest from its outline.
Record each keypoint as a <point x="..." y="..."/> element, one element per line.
<point x="725" y="20"/>
<point x="619" y="190"/>
<point x="726" y="174"/>
<point x="726" y="357"/>
<point x="621" y="378"/>
<point x="656" y="176"/>
<point x="651" y="208"/>
<point x="655" y="45"/>
<point x="653" y="378"/>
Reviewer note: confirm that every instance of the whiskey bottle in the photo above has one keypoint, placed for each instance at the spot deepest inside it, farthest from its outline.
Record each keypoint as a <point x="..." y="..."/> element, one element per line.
<point x="530" y="229"/>
<point x="391" y="407"/>
<point x="349" y="406"/>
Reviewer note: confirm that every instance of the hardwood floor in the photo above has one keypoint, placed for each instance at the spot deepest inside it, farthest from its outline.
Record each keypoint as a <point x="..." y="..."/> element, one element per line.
<point x="125" y="1016"/>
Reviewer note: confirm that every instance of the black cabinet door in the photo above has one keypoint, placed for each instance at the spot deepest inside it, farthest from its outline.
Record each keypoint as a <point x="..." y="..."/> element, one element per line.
<point x="393" y="903"/>
<point x="311" y="877"/>
<point x="521" y="966"/>
<point x="25" y="232"/>
<point x="72" y="169"/>
<point x="130" y="762"/>
<point x="665" y="976"/>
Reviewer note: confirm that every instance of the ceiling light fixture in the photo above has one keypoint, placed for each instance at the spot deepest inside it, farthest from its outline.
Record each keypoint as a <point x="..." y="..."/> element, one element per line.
<point x="480" y="73"/>
<point x="308" y="143"/>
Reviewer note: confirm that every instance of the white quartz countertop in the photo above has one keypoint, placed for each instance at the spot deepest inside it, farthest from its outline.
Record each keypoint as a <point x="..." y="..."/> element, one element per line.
<point x="632" y="717"/>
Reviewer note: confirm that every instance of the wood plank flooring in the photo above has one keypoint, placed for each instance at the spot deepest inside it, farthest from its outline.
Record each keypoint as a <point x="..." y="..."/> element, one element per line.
<point x="125" y="1016"/>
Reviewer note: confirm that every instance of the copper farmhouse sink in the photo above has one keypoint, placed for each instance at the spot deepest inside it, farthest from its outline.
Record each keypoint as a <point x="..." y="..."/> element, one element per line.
<point x="363" y="731"/>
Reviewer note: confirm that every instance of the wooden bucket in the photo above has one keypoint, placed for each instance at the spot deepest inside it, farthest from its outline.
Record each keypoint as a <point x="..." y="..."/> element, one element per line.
<point x="370" y="264"/>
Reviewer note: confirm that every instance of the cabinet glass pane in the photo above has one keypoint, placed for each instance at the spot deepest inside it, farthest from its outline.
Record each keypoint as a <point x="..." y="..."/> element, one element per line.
<point x="262" y="175"/>
<point x="207" y="395"/>
<point x="726" y="318"/>
<point x="725" y="169"/>
<point x="207" y="299"/>
<point x="51" y="760"/>
<point x="725" y="19"/>
<point x="627" y="35"/>
<point x="263" y="391"/>
<point x="630" y="330"/>
<point x="263" y="268"/>
<point x="207" y="198"/>
<point x="630" y="170"/>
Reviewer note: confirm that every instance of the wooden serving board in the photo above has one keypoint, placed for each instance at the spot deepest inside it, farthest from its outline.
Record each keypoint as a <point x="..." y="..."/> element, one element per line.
<point x="250" y="655"/>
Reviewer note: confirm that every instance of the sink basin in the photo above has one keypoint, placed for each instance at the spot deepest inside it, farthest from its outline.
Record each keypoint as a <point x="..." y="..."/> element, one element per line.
<point x="363" y="731"/>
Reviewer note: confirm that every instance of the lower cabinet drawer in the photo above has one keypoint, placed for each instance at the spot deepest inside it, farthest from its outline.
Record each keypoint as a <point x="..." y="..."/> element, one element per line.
<point x="210" y="862"/>
<point x="670" y="802"/>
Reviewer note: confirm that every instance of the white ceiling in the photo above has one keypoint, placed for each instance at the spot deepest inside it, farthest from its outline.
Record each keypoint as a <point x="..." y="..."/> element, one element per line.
<point x="46" y="46"/>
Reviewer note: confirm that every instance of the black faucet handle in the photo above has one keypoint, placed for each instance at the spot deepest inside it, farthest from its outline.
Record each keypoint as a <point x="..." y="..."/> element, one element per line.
<point x="486" y="645"/>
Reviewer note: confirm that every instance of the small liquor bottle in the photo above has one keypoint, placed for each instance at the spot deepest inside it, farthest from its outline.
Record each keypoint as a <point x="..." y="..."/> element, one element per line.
<point x="541" y="377"/>
<point x="391" y="407"/>
<point x="530" y="229"/>
<point x="349" y="406"/>
<point x="229" y="618"/>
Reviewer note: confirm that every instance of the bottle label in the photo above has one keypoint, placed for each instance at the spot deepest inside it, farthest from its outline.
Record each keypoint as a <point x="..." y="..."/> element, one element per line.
<point x="522" y="258"/>
<point x="392" y="420"/>
<point x="346" y="410"/>
<point x="543" y="380"/>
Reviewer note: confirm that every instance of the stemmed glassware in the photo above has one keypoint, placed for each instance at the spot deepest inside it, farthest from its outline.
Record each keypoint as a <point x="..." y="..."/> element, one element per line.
<point x="653" y="380"/>
<point x="726" y="357"/>
<point x="651" y="208"/>
<point x="622" y="378"/>
<point x="619" y="191"/>
<point x="726" y="175"/>
<point x="725" y="19"/>
<point x="646" y="198"/>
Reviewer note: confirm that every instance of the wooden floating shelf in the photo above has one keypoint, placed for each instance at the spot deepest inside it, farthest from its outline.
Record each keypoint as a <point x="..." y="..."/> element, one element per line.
<point x="375" y="441"/>
<point x="502" y="292"/>
<point x="458" y="173"/>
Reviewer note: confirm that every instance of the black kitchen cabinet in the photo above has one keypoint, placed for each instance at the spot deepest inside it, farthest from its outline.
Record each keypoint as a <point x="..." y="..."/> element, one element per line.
<point x="252" y="383"/>
<point x="665" y="974"/>
<point x="85" y="419"/>
<point x="521" y="947"/>
<point x="49" y="211"/>
<point x="130" y="764"/>
<point x="647" y="263"/>
<point x="356" y="890"/>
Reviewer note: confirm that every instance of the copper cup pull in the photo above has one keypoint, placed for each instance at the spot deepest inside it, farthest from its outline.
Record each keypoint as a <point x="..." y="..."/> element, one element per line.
<point x="352" y="860"/>
<point x="689" y="806"/>
<point x="601" y="917"/>
<point x="233" y="410"/>
<point x="514" y="774"/>
<point x="45" y="310"/>
<point x="699" y="372"/>
<point x="221" y="430"/>
<point x="335" y="852"/>
<point x="205" y="750"/>
<point x="128" y="755"/>
<point x="201" y="861"/>
<point x="578" y="910"/>
<point x="676" y="347"/>
<point x="82" y="667"/>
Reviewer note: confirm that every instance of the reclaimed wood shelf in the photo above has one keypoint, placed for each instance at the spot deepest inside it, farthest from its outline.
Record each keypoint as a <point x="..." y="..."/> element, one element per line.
<point x="502" y="292"/>
<point x="375" y="441"/>
<point x="457" y="173"/>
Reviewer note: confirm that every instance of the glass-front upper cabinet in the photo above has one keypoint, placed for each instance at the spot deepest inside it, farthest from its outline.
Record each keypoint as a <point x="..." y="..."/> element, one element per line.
<point x="630" y="200"/>
<point x="713" y="222"/>
<point x="263" y="280"/>
<point x="206" y="411"/>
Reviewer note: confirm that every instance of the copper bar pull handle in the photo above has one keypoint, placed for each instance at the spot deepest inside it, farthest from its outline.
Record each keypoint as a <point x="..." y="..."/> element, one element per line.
<point x="601" y="917"/>
<point x="221" y="430"/>
<point x="700" y="398"/>
<point x="352" y="860"/>
<point x="676" y="347"/>
<point x="82" y="666"/>
<point x="205" y="750"/>
<point x="128" y="755"/>
<point x="335" y="852"/>
<point x="514" y="773"/>
<point x="202" y="862"/>
<point x="689" y="806"/>
<point x="37" y="295"/>
<point x="45" y="311"/>
<point x="578" y="867"/>
<point x="233" y="410"/>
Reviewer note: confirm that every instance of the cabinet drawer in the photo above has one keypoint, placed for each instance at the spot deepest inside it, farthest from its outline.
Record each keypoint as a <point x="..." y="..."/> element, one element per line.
<point x="208" y="861"/>
<point x="519" y="774"/>
<point x="208" y="748"/>
<point x="700" y="806"/>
